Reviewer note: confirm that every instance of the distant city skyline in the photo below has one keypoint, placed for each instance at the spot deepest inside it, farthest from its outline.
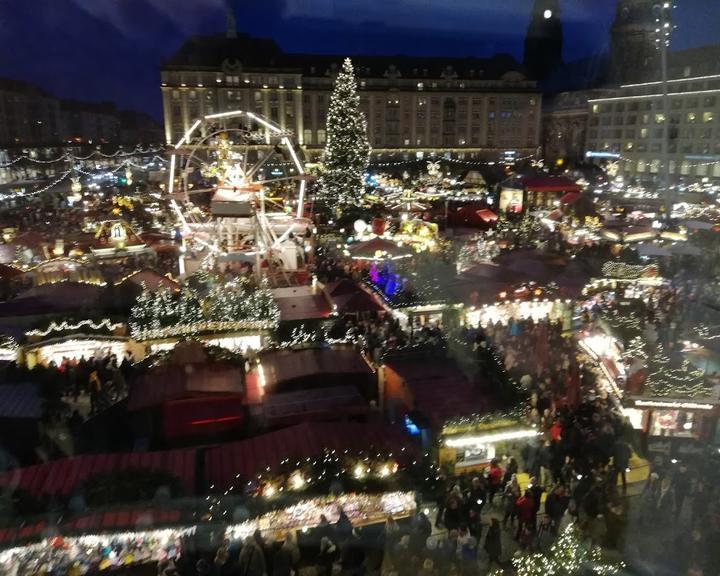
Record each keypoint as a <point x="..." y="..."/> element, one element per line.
<point x="107" y="50"/>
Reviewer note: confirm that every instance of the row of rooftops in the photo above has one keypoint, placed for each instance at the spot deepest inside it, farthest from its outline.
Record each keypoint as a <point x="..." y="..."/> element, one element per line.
<point x="246" y="53"/>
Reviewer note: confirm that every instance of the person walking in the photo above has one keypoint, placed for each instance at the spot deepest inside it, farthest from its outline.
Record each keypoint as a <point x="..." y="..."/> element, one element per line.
<point x="252" y="559"/>
<point x="493" y="544"/>
<point x="495" y="477"/>
<point x="525" y="511"/>
<point x="621" y="462"/>
<point x="510" y="498"/>
<point x="555" y="506"/>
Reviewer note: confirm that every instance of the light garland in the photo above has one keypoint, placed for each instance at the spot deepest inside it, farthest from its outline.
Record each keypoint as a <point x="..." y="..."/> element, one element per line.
<point x="624" y="271"/>
<point x="66" y="326"/>
<point x="200" y="327"/>
<point x="52" y="184"/>
<point x="489" y="421"/>
<point x="227" y="307"/>
<point x="664" y="381"/>
<point x="466" y="441"/>
<point x="69" y="157"/>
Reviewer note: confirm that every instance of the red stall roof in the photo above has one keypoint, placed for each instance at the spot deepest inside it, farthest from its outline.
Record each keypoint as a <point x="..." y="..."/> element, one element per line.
<point x="439" y="388"/>
<point x="181" y="381"/>
<point x="284" y="365"/>
<point x="549" y="184"/>
<point x="330" y="402"/>
<point x="249" y="457"/>
<point x="63" y="476"/>
<point x="301" y="303"/>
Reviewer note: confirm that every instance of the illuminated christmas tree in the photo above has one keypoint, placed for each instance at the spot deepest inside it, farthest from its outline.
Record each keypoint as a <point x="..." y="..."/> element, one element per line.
<point x="347" y="150"/>
<point x="569" y="555"/>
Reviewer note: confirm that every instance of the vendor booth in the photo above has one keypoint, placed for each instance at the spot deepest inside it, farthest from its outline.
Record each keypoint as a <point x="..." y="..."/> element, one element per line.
<point x="468" y="444"/>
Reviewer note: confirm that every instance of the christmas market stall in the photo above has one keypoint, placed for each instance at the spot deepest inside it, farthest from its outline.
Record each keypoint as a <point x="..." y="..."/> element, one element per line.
<point x="672" y="403"/>
<point x="234" y="315"/>
<point x="190" y="393"/>
<point x="537" y="192"/>
<point x="76" y="339"/>
<point x="472" y="442"/>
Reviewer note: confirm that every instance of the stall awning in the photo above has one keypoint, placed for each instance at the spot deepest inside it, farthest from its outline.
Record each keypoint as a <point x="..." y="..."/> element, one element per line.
<point x="379" y="248"/>
<point x="570" y="197"/>
<point x="62" y="477"/>
<point x="487" y="215"/>
<point x="311" y="439"/>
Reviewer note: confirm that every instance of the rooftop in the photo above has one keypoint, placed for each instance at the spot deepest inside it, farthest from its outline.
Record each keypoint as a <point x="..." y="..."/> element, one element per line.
<point x="247" y="53"/>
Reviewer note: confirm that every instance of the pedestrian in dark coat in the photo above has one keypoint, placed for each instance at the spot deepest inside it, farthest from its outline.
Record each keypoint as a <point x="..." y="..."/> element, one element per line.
<point x="493" y="543"/>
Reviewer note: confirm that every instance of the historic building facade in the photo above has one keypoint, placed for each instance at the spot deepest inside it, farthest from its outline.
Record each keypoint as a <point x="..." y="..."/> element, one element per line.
<point x="473" y="107"/>
<point x="630" y="121"/>
<point x="564" y="122"/>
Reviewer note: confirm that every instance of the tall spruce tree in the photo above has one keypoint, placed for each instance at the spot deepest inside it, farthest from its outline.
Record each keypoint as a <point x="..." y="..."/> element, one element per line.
<point x="347" y="150"/>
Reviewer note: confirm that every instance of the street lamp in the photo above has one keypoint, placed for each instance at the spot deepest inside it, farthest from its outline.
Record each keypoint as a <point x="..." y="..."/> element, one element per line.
<point x="663" y="32"/>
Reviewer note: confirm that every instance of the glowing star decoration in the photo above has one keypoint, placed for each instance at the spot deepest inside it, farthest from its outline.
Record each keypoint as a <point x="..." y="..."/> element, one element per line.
<point x="297" y="481"/>
<point x="434" y="170"/>
<point x="75" y="187"/>
<point x="612" y="168"/>
<point x="360" y="226"/>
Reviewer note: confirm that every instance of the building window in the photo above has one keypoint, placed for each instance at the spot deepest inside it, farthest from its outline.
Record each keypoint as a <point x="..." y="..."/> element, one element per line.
<point x="709" y="101"/>
<point x="307" y="137"/>
<point x="707" y="116"/>
<point x="321" y="137"/>
<point x="643" y="133"/>
<point x="420" y="86"/>
<point x="659" y="118"/>
<point x="691" y="117"/>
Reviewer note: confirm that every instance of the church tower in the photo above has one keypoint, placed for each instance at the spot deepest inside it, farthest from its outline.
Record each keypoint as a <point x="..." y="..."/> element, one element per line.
<point x="544" y="39"/>
<point x="633" y="53"/>
<point x="230" y="19"/>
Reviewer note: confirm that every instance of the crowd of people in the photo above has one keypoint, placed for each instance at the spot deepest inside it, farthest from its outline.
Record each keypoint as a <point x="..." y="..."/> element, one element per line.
<point x="101" y="379"/>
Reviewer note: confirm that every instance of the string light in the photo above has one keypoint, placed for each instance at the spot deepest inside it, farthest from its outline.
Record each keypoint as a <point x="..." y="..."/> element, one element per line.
<point x="66" y="326"/>
<point x="70" y="157"/>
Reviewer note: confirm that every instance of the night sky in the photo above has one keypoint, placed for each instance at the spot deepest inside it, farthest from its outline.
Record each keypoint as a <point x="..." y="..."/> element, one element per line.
<point x="113" y="49"/>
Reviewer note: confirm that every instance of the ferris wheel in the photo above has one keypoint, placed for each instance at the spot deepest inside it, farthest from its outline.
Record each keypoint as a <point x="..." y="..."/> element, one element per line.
<point x="257" y="180"/>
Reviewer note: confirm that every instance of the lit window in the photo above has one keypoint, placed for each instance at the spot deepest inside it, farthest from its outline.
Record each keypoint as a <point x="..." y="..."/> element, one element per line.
<point x="691" y="117"/>
<point x="707" y="116"/>
<point x="659" y="118"/>
<point x="420" y="86"/>
<point x="595" y="108"/>
<point x="643" y="133"/>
